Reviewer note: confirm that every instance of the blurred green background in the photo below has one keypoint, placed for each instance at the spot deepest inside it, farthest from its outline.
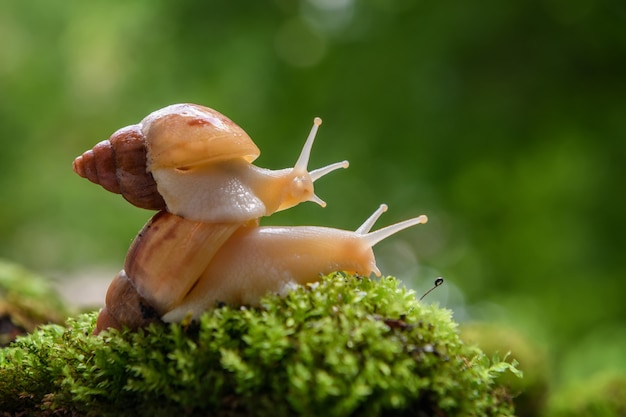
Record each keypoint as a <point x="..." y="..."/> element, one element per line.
<point x="505" y="122"/>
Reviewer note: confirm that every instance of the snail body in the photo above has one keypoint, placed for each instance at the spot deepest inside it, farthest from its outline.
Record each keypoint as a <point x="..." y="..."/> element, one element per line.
<point x="256" y="261"/>
<point x="205" y="246"/>
<point x="196" y="163"/>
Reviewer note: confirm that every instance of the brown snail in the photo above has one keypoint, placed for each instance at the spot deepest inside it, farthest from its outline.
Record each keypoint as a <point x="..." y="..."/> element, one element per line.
<point x="177" y="268"/>
<point x="205" y="245"/>
<point x="196" y="163"/>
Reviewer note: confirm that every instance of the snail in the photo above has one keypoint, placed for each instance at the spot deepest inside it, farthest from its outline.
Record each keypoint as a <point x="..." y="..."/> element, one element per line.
<point x="196" y="163"/>
<point x="205" y="245"/>
<point x="177" y="268"/>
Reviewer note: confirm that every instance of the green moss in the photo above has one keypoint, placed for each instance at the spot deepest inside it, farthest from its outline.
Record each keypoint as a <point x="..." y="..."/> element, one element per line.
<point x="529" y="393"/>
<point x="346" y="346"/>
<point x="26" y="301"/>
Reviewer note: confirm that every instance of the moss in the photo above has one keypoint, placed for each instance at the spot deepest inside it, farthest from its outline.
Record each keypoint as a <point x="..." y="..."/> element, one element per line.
<point x="529" y="393"/>
<point x="26" y="301"/>
<point x="345" y="346"/>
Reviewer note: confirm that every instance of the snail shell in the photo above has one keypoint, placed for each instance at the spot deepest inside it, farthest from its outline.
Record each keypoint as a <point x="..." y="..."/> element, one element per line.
<point x="183" y="136"/>
<point x="124" y="307"/>
<point x="119" y="166"/>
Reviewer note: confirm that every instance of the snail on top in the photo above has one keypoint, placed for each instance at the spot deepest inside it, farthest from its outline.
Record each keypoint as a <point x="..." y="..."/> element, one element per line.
<point x="197" y="163"/>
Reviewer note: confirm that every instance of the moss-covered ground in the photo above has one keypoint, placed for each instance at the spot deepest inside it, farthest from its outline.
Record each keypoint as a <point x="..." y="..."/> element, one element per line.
<point x="345" y="346"/>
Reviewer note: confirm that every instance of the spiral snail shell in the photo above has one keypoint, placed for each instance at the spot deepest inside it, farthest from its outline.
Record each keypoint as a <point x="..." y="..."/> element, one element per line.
<point x="205" y="245"/>
<point x="118" y="164"/>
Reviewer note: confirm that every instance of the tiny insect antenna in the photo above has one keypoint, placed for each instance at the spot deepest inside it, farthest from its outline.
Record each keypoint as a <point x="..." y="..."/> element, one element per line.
<point x="438" y="282"/>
